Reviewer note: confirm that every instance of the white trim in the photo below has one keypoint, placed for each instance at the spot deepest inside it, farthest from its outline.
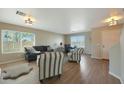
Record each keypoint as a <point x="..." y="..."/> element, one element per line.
<point x="20" y="32"/>
<point x="12" y="52"/>
<point x="12" y="61"/>
<point x="116" y="77"/>
<point x="0" y="73"/>
<point x="96" y="57"/>
<point x="121" y="81"/>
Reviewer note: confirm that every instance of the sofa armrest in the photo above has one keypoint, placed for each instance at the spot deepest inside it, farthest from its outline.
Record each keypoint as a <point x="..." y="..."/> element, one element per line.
<point x="38" y="58"/>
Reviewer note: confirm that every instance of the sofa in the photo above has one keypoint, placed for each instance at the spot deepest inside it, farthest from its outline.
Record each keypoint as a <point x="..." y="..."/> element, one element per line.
<point x="50" y="64"/>
<point x="75" y="55"/>
<point x="42" y="48"/>
<point x="59" y="49"/>
<point x="31" y="54"/>
<point x="68" y="48"/>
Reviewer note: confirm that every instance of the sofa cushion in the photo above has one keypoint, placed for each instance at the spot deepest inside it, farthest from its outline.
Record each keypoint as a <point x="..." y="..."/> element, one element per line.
<point x="38" y="48"/>
<point x="41" y="48"/>
<point x="32" y="50"/>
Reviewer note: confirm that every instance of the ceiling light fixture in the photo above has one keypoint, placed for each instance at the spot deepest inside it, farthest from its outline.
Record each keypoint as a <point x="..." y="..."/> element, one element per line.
<point x="113" y="20"/>
<point x="29" y="20"/>
<point x="20" y="13"/>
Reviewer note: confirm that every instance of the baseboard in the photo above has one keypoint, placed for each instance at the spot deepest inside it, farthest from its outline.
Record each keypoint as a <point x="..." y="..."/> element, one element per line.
<point x="116" y="77"/>
<point x="11" y="61"/>
<point x="105" y="59"/>
<point x="122" y="82"/>
<point x="96" y="57"/>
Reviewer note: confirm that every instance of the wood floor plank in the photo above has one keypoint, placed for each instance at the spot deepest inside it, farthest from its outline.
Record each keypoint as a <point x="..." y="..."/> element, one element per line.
<point x="89" y="71"/>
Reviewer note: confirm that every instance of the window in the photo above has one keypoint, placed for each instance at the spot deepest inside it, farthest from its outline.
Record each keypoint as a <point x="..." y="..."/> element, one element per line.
<point x="14" y="41"/>
<point x="78" y="41"/>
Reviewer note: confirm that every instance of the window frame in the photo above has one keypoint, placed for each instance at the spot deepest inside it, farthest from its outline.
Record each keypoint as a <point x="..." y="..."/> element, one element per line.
<point x="78" y="42"/>
<point x="2" y="50"/>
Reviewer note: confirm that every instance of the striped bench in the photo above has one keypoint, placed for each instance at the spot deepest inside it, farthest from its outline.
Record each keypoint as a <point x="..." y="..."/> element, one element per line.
<point x="50" y="64"/>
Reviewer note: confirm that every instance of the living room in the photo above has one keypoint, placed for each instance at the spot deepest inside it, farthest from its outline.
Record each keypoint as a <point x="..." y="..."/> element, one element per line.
<point x="64" y="32"/>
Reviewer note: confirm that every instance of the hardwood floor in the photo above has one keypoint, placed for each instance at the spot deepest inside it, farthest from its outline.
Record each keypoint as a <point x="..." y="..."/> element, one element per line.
<point x="89" y="71"/>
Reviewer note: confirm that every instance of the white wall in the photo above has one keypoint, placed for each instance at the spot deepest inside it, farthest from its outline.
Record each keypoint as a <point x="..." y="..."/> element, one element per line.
<point x="109" y="39"/>
<point x="42" y="38"/>
<point x="87" y="40"/>
<point x="122" y="54"/>
<point x="105" y="36"/>
<point x="96" y="44"/>
<point x="115" y="60"/>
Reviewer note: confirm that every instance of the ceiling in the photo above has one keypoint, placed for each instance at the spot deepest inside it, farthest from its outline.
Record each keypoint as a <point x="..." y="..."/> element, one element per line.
<point x="61" y="20"/>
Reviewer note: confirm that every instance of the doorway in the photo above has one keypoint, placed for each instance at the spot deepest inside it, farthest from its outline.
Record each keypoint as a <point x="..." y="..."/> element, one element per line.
<point x="109" y="38"/>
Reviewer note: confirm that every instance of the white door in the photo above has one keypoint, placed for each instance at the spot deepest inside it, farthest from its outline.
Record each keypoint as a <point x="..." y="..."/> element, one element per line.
<point x="109" y="38"/>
